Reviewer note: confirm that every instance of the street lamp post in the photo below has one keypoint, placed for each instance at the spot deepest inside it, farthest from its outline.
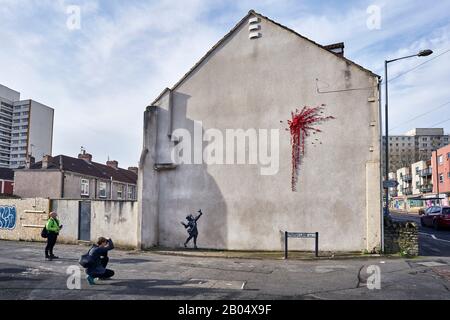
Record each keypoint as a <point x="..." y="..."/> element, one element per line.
<point x="422" y="53"/>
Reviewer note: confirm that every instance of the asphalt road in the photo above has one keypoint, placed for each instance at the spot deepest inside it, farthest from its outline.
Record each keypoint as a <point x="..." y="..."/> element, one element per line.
<point x="431" y="242"/>
<point x="24" y="274"/>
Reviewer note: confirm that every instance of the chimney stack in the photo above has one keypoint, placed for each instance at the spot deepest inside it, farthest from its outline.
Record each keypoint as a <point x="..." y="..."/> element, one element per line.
<point x="113" y="164"/>
<point x="133" y="169"/>
<point x="336" y="48"/>
<point x="85" y="156"/>
<point x="29" y="162"/>
<point x="46" y="161"/>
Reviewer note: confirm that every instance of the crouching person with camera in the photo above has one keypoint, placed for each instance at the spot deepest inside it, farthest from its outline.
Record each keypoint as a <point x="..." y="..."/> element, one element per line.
<point x="96" y="260"/>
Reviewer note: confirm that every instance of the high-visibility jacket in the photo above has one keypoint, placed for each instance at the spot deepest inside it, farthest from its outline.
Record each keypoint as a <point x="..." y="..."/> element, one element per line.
<point x="53" y="225"/>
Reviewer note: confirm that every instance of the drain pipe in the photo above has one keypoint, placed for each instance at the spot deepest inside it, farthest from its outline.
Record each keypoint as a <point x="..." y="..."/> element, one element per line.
<point x="61" y="168"/>
<point x="381" y="167"/>
<point x="170" y="126"/>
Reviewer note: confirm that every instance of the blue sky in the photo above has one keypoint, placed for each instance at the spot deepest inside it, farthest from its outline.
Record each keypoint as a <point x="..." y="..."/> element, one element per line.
<point x="100" y="78"/>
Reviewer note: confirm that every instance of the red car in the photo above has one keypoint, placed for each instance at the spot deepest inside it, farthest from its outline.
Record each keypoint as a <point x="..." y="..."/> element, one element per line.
<point x="436" y="217"/>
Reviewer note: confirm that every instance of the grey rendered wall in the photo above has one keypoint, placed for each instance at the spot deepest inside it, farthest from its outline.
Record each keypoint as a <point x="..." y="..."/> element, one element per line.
<point x="115" y="219"/>
<point x="256" y="84"/>
<point x="30" y="184"/>
<point x="72" y="186"/>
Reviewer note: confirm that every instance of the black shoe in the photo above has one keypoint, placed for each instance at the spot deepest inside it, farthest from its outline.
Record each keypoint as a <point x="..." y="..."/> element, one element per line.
<point x="54" y="257"/>
<point x="48" y="258"/>
<point x="185" y="245"/>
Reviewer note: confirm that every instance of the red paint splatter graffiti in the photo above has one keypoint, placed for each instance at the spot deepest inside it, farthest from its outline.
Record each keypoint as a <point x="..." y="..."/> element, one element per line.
<point x="300" y="126"/>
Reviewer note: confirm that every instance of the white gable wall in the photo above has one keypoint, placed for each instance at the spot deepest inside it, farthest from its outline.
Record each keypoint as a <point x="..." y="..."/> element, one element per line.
<point x="255" y="84"/>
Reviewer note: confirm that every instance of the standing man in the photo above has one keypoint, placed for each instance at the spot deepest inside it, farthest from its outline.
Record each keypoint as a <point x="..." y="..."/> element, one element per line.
<point x="53" y="227"/>
<point x="191" y="227"/>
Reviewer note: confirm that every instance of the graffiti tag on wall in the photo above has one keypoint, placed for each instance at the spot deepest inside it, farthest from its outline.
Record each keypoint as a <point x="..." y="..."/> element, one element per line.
<point x="8" y="216"/>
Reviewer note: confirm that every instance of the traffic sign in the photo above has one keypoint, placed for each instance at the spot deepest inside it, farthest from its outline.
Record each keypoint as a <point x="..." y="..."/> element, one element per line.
<point x="390" y="184"/>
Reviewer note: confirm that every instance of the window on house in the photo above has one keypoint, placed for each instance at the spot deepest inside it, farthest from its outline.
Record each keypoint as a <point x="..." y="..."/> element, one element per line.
<point x="131" y="192"/>
<point x="102" y="189"/>
<point x="441" y="178"/>
<point x="441" y="159"/>
<point x="119" y="192"/>
<point x="84" y="187"/>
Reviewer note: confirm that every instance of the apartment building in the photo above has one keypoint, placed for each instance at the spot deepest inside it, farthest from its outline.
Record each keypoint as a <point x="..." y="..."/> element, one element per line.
<point x="443" y="170"/>
<point x="404" y="179"/>
<point x="26" y="129"/>
<point x="421" y="172"/>
<point x="413" y="146"/>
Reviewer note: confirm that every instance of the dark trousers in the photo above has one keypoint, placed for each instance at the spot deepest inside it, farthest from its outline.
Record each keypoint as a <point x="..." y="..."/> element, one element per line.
<point x="192" y="236"/>
<point x="51" y="241"/>
<point x="108" y="272"/>
<point x="106" y="275"/>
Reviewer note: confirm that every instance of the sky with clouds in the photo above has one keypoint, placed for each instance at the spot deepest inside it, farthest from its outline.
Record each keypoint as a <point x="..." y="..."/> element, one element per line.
<point x="100" y="78"/>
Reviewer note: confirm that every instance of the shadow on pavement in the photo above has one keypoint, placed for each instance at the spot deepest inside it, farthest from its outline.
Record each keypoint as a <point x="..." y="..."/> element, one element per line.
<point x="166" y="288"/>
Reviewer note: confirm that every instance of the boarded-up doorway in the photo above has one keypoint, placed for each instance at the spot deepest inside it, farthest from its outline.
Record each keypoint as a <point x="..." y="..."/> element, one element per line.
<point x="84" y="221"/>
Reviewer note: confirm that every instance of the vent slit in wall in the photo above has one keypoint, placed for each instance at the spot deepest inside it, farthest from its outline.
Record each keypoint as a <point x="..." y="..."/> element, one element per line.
<point x="253" y="27"/>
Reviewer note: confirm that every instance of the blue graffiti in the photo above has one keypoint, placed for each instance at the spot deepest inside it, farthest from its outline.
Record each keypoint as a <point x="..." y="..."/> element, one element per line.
<point x="7" y="217"/>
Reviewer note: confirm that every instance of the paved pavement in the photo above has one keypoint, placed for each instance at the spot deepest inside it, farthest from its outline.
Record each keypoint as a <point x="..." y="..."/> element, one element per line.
<point x="431" y="242"/>
<point x="24" y="274"/>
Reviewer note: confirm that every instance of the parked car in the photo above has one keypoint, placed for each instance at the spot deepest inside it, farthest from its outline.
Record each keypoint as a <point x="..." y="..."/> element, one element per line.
<point x="437" y="217"/>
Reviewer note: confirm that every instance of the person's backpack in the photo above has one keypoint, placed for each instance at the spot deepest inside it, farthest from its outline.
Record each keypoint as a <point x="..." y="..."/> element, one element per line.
<point x="86" y="260"/>
<point x="44" y="232"/>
